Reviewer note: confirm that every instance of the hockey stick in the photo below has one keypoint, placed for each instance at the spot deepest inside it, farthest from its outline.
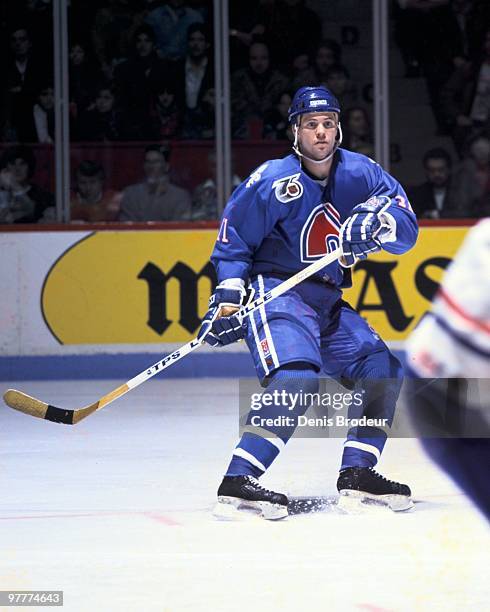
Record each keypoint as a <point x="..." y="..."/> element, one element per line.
<point x="30" y="405"/>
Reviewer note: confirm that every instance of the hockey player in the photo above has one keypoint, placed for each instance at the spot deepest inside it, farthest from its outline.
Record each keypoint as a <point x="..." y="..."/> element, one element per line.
<point x="288" y="213"/>
<point x="453" y="342"/>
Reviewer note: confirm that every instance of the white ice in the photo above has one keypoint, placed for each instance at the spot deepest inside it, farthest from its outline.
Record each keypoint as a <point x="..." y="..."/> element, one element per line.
<point x="115" y="511"/>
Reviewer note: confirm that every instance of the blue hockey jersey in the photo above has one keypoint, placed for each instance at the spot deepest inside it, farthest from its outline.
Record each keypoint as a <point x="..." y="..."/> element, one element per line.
<point x="280" y="219"/>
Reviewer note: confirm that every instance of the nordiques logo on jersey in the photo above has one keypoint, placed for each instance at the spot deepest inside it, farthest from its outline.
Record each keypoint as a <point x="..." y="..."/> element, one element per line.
<point x="320" y="233"/>
<point x="288" y="188"/>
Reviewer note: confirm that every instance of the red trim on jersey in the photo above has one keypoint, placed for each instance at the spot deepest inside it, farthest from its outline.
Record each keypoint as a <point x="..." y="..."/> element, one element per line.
<point x="333" y="210"/>
<point x="482" y="325"/>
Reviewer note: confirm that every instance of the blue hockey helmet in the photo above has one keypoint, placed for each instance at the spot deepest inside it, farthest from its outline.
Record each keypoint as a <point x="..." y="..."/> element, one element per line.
<point x="312" y="100"/>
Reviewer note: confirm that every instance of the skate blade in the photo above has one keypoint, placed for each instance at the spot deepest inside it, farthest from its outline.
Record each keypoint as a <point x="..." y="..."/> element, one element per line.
<point x="232" y="509"/>
<point x="355" y="502"/>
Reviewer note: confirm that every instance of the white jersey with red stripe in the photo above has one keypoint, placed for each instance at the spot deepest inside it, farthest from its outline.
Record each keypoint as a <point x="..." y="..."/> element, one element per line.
<point x="453" y="339"/>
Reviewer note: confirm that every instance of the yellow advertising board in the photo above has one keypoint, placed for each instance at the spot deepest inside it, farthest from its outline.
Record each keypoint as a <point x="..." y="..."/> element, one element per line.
<point x="130" y="287"/>
<point x="151" y="287"/>
<point x="393" y="292"/>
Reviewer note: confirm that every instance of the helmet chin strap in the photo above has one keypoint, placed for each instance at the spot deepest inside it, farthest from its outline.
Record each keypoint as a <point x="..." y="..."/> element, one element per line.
<point x="295" y="147"/>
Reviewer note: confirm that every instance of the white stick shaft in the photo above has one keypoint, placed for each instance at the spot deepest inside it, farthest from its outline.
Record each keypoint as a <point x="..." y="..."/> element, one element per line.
<point x="169" y="360"/>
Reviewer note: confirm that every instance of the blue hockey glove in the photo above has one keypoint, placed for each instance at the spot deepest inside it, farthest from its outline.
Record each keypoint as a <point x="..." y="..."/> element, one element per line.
<point x="360" y="233"/>
<point x="219" y="330"/>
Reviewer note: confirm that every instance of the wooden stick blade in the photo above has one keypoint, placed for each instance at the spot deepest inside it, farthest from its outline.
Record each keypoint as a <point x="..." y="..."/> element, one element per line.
<point x="25" y="403"/>
<point x="36" y="408"/>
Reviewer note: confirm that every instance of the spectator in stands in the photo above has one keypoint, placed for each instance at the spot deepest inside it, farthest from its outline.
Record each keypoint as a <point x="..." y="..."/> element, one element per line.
<point x="37" y="15"/>
<point x="156" y="198"/>
<point x="300" y="70"/>
<point x="244" y="28"/>
<point x="290" y="27"/>
<point x="472" y="179"/>
<point x="91" y="201"/>
<point x="205" y="195"/>
<point x="103" y="121"/>
<point x="135" y="80"/>
<point x="254" y="91"/>
<point x="339" y="83"/>
<point x="112" y="33"/>
<point x="357" y="131"/>
<point x="43" y="112"/>
<point x="21" y="201"/>
<point x="276" y="124"/>
<point x="201" y="127"/>
<point x="166" y="111"/>
<point x="473" y="17"/>
<point x="462" y="10"/>
<point x="326" y="55"/>
<point x="194" y="75"/>
<point x="83" y="74"/>
<point x="466" y="98"/>
<point x="421" y="25"/>
<point x="170" y="23"/>
<point x="22" y="80"/>
<point x="436" y="198"/>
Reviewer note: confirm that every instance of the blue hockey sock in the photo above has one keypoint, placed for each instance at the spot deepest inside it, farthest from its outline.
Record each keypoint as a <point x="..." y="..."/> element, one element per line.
<point x="362" y="451"/>
<point x="379" y="375"/>
<point x="252" y="456"/>
<point x="254" y="453"/>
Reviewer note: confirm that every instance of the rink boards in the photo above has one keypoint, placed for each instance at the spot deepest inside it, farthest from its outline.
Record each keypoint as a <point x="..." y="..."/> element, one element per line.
<point x="98" y="304"/>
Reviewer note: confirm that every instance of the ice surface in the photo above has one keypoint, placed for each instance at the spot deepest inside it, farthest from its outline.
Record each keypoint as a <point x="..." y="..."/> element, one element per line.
<point x="115" y="511"/>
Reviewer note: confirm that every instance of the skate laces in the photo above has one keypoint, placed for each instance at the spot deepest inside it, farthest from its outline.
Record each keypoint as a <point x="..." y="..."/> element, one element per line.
<point x="381" y="477"/>
<point x="256" y="483"/>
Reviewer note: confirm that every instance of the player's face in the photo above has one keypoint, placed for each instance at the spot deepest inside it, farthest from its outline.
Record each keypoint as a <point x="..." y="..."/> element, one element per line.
<point x="316" y="134"/>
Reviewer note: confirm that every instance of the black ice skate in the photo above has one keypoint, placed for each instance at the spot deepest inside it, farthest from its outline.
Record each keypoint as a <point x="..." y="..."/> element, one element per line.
<point x="361" y="486"/>
<point x="244" y="493"/>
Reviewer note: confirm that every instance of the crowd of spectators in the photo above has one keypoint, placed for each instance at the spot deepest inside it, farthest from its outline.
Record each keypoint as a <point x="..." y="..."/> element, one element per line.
<point x="143" y="70"/>
<point x="448" y="43"/>
<point x="21" y="200"/>
<point x="454" y="192"/>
